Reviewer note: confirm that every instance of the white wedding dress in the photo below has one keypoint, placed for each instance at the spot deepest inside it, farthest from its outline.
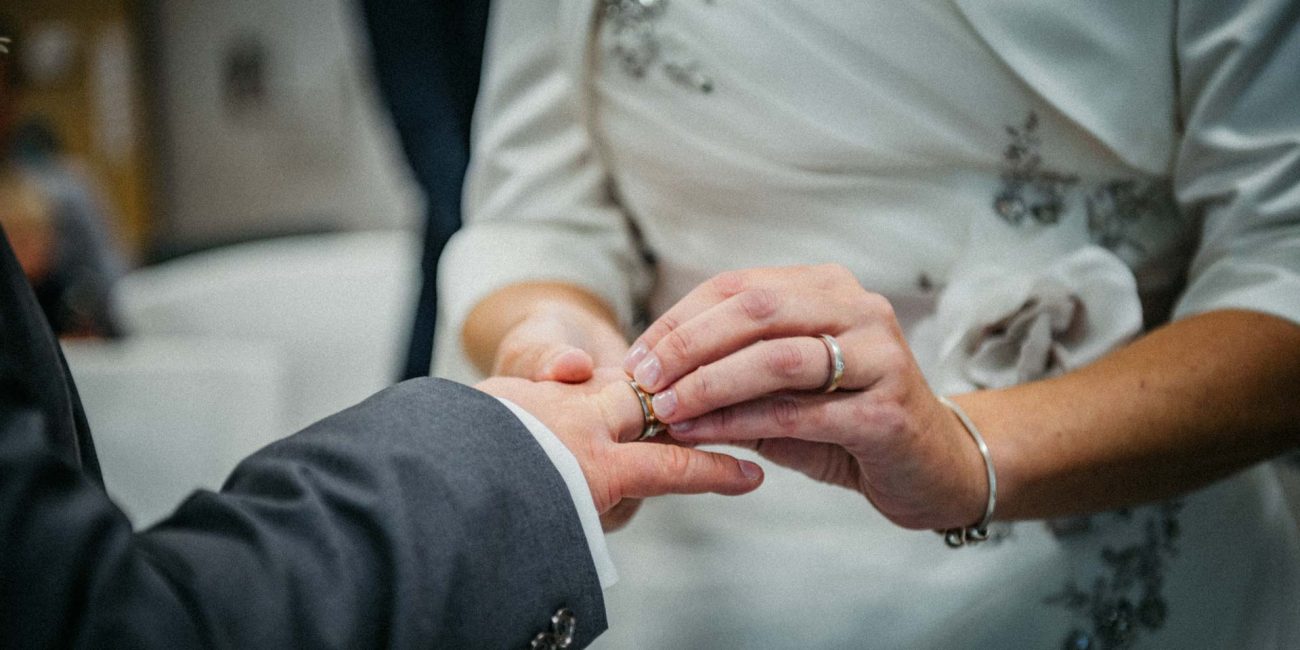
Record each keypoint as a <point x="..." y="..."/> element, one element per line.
<point x="1077" y="172"/>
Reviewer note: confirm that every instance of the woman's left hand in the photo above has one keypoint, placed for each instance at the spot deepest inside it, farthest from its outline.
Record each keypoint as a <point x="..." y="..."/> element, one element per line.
<point x="740" y="360"/>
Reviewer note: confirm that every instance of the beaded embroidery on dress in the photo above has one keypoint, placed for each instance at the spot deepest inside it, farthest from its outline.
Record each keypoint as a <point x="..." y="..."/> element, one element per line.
<point x="1033" y="193"/>
<point x="1124" y="597"/>
<point x="634" y="42"/>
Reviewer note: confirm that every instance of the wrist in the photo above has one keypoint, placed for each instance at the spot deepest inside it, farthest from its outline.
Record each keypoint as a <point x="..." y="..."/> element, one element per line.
<point x="986" y="411"/>
<point x="978" y="472"/>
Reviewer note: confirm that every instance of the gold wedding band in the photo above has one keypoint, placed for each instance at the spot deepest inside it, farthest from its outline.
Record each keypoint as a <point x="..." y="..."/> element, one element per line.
<point x="651" y="426"/>
<point x="836" y="373"/>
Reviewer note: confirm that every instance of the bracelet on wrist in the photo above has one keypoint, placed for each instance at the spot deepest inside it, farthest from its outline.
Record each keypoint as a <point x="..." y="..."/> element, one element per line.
<point x="979" y="531"/>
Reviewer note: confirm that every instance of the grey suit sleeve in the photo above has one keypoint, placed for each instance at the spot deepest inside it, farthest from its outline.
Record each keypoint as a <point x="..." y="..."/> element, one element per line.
<point x="426" y="516"/>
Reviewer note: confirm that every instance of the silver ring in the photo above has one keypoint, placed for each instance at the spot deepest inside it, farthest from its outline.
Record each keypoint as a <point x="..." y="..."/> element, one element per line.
<point x="651" y="425"/>
<point x="836" y="364"/>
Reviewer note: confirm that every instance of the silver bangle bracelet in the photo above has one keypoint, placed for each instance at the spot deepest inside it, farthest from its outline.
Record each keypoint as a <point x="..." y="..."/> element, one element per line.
<point x="959" y="537"/>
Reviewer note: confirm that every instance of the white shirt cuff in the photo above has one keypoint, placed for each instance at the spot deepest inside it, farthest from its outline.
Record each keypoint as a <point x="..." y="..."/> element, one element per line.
<point x="578" y="491"/>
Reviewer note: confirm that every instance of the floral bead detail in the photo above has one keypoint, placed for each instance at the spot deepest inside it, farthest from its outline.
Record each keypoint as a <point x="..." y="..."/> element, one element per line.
<point x="635" y="44"/>
<point x="1030" y="191"/>
<point x="1034" y="194"/>
<point x="1128" y="598"/>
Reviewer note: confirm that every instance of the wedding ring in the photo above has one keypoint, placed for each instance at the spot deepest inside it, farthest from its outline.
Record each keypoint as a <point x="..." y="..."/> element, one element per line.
<point x="836" y="364"/>
<point x="651" y="426"/>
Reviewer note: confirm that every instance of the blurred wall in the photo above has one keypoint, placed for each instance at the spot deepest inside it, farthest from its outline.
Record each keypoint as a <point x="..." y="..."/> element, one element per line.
<point x="269" y="124"/>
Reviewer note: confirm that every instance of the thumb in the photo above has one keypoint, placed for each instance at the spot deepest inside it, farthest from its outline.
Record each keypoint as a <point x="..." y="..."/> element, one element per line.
<point x="648" y="469"/>
<point x="545" y="361"/>
<point x="565" y="363"/>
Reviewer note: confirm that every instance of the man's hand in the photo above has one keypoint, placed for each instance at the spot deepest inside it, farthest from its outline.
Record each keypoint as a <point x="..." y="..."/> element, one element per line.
<point x="597" y="422"/>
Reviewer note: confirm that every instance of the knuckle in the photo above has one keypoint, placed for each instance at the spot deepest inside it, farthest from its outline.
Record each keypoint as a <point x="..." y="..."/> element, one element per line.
<point x="833" y="275"/>
<point x="841" y="272"/>
<point x="893" y="361"/>
<point x="786" y="413"/>
<point x="758" y="304"/>
<point x="877" y="306"/>
<point x="728" y="283"/>
<point x="890" y="420"/>
<point x="724" y="419"/>
<point x="785" y="360"/>
<point x="703" y="388"/>
<point x="676" y="461"/>
<point x="677" y="345"/>
<point x="661" y="327"/>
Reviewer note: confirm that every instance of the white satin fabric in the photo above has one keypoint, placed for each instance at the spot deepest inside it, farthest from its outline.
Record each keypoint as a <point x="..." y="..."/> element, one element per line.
<point x="1028" y="182"/>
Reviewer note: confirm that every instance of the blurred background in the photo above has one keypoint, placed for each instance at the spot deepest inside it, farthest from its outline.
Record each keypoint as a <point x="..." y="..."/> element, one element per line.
<point x="228" y="211"/>
<point x="216" y="204"/>
<point x="212" y="204"/>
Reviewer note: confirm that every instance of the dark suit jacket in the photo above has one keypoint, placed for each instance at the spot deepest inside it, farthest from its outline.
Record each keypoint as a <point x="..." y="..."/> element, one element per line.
<point x="426" y="516"/>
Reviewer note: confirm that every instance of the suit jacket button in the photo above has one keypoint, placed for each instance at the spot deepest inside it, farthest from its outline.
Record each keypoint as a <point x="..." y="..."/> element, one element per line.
<point x="563" y="627"/>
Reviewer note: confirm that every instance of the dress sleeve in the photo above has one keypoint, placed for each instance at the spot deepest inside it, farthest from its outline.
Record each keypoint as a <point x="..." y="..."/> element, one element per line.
<point x="1238" y="167"/>
<point x="537" y="199"/>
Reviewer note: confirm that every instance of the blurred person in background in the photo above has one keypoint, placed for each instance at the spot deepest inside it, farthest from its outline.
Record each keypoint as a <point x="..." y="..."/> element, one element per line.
<point x="427" y="57"/>
<point x="26" y="216"/>
<point x="81" y="262"/>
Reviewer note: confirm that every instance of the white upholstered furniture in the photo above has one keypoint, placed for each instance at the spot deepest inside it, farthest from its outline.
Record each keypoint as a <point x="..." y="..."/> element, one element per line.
<point x="236" y="347"/>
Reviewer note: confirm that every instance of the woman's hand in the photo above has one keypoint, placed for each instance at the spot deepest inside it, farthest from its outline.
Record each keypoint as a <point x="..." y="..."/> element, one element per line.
<point x="739" y="359"/>
<point x="597" y="422"/>
<point x="543" y="331"/>
<point x="559" y="343"/>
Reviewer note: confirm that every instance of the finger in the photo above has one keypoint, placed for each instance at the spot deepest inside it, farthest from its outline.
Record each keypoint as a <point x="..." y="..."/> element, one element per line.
<point x="545" y="361"/>
<point x="702" y="297"/>
<point x="652" y="470"/>
<point x="798" y="363"/>
<point x="765" y="304"/>
<point x="871" y="355"/>
<point x="735" y="323"/>
<point x="708" y="294"/>
<point x="855" y="421"/>
<point x="571" y="366"/>
<point x="821" y="461"/>
<point x="748" y="291"/>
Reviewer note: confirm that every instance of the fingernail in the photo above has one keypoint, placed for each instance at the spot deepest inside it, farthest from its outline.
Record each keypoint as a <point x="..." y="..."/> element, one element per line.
<point x="751" y="470"/>
<point x="681" y="427"/>
<point x="665" y="403"/>
<point x="634" y="356"/>
<point x="647" y="371"/>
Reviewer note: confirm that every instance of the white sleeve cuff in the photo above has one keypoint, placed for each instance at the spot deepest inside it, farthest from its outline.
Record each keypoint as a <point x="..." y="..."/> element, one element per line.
<point x="578" y="491"/>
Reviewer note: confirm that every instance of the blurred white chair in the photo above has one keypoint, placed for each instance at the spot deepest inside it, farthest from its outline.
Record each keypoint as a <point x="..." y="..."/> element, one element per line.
<point x="233" y="348"/>
<point x="172" y="415"/>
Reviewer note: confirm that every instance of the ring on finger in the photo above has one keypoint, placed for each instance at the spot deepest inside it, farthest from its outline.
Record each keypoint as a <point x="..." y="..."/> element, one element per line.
<point x="651" y="426"/>
<point x="836" y="374"/>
